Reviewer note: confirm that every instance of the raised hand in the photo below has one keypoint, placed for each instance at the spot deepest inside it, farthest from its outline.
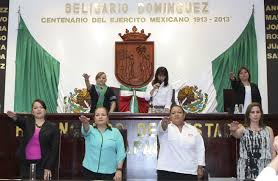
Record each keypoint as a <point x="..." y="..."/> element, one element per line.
<point x="85" y="122"/>
<point x="84" y="119"/>
<point x="165" y="122"/>
<point x="86" y="76"/>
<point x="232" y="76"/>
<point x="234" y="126"/>
<point x="11" y="114"/>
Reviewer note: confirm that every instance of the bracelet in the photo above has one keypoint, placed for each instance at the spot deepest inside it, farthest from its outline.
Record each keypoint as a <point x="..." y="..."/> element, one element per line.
<point x="120" y="169"/>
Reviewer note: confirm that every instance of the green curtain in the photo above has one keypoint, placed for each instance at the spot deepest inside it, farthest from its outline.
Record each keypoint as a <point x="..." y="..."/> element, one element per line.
<point x="243" y="52"/>
<point x="37" y="73"/>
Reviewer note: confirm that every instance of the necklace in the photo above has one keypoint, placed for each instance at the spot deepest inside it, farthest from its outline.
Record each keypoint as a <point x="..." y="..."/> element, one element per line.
<point x="255" y="129"/>
<point x="38" y="126"/>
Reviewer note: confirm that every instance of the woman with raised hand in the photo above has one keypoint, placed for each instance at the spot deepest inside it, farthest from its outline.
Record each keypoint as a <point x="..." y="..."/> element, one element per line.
<point x="256" y="139"/>
<point x="182" y="151"/>
<point x="40" y="142"/>
<point x="159" y="92"/>
<point x="101" y="94"/>
<point x="246" y="91"/>
<point x="104" y="148"/>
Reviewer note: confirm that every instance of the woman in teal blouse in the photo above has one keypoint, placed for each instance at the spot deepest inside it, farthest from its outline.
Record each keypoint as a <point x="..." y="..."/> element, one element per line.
<point x="104" y="148"/>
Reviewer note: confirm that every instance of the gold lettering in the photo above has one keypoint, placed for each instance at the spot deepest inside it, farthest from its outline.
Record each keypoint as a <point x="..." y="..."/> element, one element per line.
<point x="18" y="131"/>
<point x="3" y="47"/>
<point x="75" y="8"/>
<point x="112" y="8"/>
<point x="157" y="7"/>
<point x="137" y="146"/>
<point x="196" y="7"/>
<point x="179" y="8"/>
<point x="3" y="19"/>
<point x="271" y="36"/>
<point x="3" y="38"/>
<point x="2" y="57"/>
<point x="271" y="17"/>
<point x="127" y="20"/>
<point x="188" y="8"/>
<point x="104" y="9"/>
<point x="95" y="8"/>
<point x="2" y="66"/>
<point x="272" y="27"/>
<point x="83" y="9"/>
<point x="272" y="56"/>
<point x="124" y="8"/>
<point x="64" y="128"/>
<point x="272" y="46"/>
<point x="141" y="129"/>
<point x="120" y="126"/>
<point x="98" y="20"/>
<point x="217" y="131"/>
<point x="205" y="9"/>
<point x="67" y="8"/>
<point x="171" y="8"/>
<point x="64" y="20"/>
<point x="209" y="125"/>
<point x="198" y="126"/>
<point x="3" y="28"/>
<point x="140" y="8"/>
<point x="152" y="129"/>
<point x="271" y="8"/>
<point x="169" y="19"/>
<point x="4" y="10"/>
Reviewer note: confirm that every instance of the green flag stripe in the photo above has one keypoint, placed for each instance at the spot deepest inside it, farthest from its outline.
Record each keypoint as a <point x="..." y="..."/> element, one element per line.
<point x="243" y="52"/>
<point x="37" y="73"/>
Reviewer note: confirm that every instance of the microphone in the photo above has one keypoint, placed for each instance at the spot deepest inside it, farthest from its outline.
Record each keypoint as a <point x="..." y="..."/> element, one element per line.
<point x="160" y="82"/>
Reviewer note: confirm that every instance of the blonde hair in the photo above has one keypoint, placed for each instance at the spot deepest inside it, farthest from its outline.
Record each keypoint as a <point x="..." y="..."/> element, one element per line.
<point x="99" y="74"/>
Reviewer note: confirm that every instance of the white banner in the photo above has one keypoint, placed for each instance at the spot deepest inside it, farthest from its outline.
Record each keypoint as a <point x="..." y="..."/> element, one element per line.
<point x="188" y="35"/>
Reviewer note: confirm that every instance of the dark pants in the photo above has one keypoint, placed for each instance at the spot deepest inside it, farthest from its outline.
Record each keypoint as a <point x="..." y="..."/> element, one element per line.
<point x="25" y="169"/>
<point x="165" y="175"/>
<point x="89" y="175"/>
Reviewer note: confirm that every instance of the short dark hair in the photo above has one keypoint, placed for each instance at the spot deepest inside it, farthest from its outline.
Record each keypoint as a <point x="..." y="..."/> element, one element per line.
<point x="244" y="68"/>
<point x="39" y="101"/>
<point x="176" y="105"/>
